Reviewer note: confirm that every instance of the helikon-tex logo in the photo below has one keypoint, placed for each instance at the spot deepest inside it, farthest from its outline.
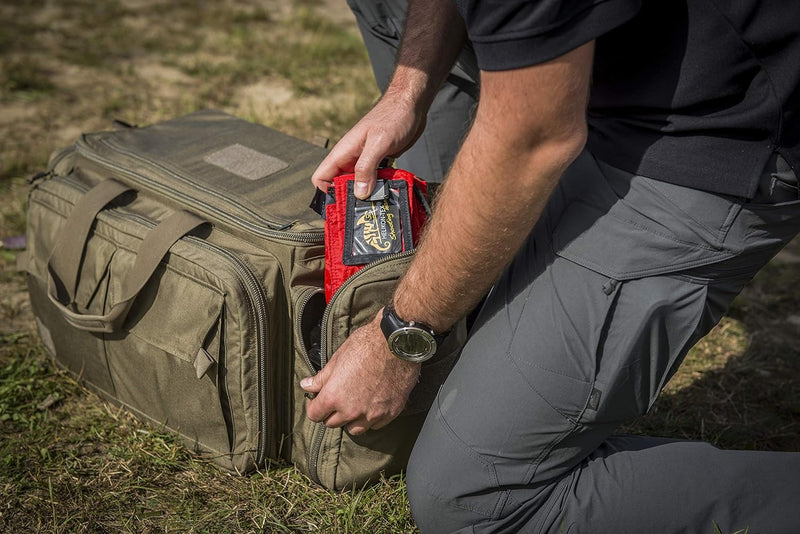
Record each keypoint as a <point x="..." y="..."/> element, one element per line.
<point x="378" y="226"/>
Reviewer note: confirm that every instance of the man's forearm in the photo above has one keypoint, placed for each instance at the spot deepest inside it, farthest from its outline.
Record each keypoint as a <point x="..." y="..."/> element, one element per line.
<point x="529" y="127"/>
<point x="434" y="35"/>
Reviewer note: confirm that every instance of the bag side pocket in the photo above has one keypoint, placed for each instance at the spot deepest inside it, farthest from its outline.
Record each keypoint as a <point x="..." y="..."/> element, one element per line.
<point x="336" y="459"/>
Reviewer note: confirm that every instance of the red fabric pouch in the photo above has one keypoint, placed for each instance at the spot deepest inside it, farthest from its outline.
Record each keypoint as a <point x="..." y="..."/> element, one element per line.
<point x="358" y="232"/>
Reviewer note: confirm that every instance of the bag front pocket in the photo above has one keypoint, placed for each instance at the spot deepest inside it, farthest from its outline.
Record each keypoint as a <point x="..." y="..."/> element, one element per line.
<point x="189" y="350"/>
<point x="193" y="353"/>
<point x="168" y="364"/>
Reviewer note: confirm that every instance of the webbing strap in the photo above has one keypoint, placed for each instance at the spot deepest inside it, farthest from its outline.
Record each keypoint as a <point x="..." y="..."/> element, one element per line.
<point x="65" y="259"/>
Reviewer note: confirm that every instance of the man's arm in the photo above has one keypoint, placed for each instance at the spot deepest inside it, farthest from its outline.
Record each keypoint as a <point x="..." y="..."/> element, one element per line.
<point x="529" y="127"/>
<point x="432" y="39"/>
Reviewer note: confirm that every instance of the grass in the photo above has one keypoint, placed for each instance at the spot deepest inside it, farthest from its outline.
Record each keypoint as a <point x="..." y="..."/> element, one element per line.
<point x="70" y="463"/>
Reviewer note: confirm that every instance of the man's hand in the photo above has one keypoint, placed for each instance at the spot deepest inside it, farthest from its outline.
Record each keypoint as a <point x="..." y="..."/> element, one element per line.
<point x="432" y="40"/>
<point x="388" y="129"/>
<point x="363" y="385"/>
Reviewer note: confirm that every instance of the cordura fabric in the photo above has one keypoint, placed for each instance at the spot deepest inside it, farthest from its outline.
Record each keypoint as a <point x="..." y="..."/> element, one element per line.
<point x="180" y="283"/>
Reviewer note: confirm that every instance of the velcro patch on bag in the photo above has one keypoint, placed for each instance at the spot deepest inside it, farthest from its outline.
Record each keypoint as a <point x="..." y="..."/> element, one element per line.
<point x="246" y="162"/>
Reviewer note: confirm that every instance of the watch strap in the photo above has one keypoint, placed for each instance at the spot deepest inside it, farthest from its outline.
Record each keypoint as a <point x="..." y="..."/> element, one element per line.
<point x="392" y="322"/>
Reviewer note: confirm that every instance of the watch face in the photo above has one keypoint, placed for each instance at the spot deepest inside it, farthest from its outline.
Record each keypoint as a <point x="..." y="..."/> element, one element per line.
<point x="413" y="344"/>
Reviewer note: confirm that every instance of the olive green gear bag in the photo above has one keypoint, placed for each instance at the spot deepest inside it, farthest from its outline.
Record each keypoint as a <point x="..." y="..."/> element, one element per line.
<point x="176" y="270"/>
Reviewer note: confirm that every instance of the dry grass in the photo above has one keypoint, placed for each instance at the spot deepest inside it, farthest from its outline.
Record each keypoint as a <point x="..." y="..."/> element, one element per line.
<point x="69" y="463"/>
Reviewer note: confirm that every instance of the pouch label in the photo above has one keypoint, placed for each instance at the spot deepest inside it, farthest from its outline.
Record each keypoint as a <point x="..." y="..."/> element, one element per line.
<point x="376" y="228"/>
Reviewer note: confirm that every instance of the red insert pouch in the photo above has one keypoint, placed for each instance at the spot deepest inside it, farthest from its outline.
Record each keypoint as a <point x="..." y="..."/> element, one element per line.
<point x="358" y="232"/>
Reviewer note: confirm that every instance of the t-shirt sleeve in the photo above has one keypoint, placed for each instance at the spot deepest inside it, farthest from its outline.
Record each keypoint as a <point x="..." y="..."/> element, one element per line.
<point x="509" y="34"/>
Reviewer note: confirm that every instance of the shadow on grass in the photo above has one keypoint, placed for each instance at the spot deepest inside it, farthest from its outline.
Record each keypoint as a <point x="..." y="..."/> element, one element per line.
<point x="739" y="388"/>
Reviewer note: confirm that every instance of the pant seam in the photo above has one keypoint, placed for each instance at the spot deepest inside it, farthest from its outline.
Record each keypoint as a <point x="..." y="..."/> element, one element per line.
<point x="534" y="466"/>
<point x="536" y="391"/>
<point x="557" y="502"/>
<point x="474" y="454"/>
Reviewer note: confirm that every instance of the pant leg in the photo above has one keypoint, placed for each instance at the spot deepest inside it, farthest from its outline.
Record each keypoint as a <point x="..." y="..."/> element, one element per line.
<point x="450" y="115"/>
<point x="620" y="278"/>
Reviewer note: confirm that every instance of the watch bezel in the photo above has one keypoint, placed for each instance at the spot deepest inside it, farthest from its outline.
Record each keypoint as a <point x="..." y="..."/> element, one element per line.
<point x="412" y="329"/>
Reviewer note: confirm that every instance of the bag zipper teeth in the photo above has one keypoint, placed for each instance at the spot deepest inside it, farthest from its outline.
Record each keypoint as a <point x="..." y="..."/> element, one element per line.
<point x="257" y="299"/>
<point x="320" y="428"/>
<point x="257" y="306"/>
<point x="323" y="342"/>
<point x="275" y="233"/>
<point x="316" y="439"/>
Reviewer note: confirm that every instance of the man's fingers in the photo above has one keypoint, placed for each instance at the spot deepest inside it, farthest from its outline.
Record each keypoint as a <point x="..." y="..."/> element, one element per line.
<point x="313" y="384"/>
<point x="358" y="427"/>
<point x="366" y="168"/>
<point x="317" y="411"/>
<point x="336" y="420"/>
<point x="334" y="164"/>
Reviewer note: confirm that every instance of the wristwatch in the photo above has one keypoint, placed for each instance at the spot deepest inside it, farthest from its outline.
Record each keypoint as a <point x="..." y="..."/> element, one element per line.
<point x="409" y="340"/>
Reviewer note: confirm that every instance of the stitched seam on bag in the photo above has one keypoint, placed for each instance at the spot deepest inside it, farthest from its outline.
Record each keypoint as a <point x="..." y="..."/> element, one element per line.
<point x="251" y="316"/>
<point x="336" y="455"/>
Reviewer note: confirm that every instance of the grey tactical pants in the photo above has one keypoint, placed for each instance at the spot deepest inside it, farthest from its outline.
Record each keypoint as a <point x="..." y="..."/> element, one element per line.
<point x="621" y="276"/>
<point x="450" y="115"/>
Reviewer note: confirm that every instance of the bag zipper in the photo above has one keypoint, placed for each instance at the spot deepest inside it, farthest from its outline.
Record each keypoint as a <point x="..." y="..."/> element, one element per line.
<point x="268" y="230"/>
<point x="257" y="300"/>
<point x="320" y="428"/>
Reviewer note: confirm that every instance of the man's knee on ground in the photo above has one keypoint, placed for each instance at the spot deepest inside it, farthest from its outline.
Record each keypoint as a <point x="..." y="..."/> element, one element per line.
<point x="450" y="487"/>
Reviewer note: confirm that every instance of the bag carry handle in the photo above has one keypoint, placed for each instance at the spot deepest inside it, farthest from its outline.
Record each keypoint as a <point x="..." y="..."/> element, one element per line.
<point x="64" y="262"/>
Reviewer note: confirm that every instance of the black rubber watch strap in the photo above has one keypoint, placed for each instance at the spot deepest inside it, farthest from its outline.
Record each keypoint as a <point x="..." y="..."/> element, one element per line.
<point x="391" y="322"/>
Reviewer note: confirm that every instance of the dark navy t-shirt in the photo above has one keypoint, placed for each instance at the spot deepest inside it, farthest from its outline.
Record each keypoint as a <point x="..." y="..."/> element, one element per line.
<point x="694" y="92"/>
